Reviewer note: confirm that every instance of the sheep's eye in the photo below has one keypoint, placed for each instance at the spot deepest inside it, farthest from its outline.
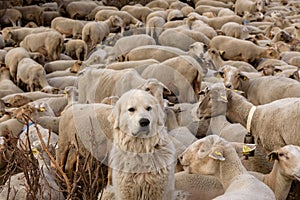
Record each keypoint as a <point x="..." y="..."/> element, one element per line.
<point x="147" y="89"/>
<point x="281" y="154"/>
<point x="149" y="108"/>
<point x="131" y="109"/>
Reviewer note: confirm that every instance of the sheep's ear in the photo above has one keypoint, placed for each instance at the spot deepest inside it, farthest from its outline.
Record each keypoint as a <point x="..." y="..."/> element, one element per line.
<point x="273" y="156"/>
<point x="217" y="154"/>
<point x="113" y="117"/>
<point x="221" y="53"/>
<point x="219" y="74"/>
<point x="243" y="77"/>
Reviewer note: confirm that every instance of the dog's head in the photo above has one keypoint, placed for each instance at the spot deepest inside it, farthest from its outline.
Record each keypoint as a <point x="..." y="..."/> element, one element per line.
<point x="138" y="114"/>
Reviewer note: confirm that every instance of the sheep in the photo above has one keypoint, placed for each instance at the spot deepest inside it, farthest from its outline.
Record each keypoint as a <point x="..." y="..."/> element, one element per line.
<point x="76" y="49"/>
<point x="79" y="10"/>
<point x="157" y="52"/>
<point x="68" y="27"/>
<point x="197" y="185"/>
<point x="127" y="43"/>
<point x="154" y="26"/>
<point x="285" y="170"/>
<point x="214" y="3"/>
<point x="218" y="22"/>
<point x="62" y="82"/>
<point x="95" y="32"/>
<point x="138" y="65"/>
<point x="215" y="156"/>
<point x="49" y="44"/>
<point x="184" y="76"/>
<point x="236" y="30"/>
<point x="245" y="5"/>
<point x="139" y="12"/>
<point x="16" y="35"/>
<point x="91" y="15"/>
<point x="127" y="18"/>
<point x="10" y="17"/>
<point x="260" y="90"/>
<point x="158" y="4"/>
<point x="215" y="55"/>
<point x="110" y="80"/>
<point x="15" y="55"/>
<point x="19" y="99"/>
<point x="34" y="75"/>
<point x="247" y="51"/>
<point x="58" y="65"/>
<point x="31" y="13"/>
<point x="48" y="16"/>
<point x="79" y="123"/>
<point x="6" y="85"/>
<point x="283" y="131"/>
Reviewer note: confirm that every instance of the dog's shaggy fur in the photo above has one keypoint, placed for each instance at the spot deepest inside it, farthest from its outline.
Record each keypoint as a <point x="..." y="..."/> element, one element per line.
<point x="142" y="157"/>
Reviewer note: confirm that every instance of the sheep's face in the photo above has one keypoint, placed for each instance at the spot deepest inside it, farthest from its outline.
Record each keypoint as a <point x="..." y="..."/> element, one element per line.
<point x="214" y="102"/>
<point x="288" y="158"/>
<point x="201" y="156"/>
<point x="17" y="101"/>
<point x="231" y="76"/>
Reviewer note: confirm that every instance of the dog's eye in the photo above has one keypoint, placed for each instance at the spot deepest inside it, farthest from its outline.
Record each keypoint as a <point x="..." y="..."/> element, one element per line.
<point x="131" y="109"/>
<point x="149" y="108"/>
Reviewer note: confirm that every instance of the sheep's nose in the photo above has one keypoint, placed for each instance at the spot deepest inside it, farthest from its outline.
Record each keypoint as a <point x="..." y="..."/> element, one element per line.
<point x="228" y="85"/>
<point x="144" y="122"/>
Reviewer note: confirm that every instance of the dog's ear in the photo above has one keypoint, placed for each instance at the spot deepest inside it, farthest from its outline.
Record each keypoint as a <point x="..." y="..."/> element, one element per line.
<point x="113" y="117"/>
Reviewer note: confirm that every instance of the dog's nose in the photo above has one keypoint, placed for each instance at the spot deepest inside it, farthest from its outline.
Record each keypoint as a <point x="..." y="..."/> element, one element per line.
<point x="144" y="122"/>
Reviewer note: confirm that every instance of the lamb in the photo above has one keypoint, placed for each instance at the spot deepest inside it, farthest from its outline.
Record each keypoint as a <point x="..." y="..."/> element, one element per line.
<point x="283" y="131"/>
<point x="77" y="49"/>
<point x="68" y="27"/>
<point x="34" y="75"/>
<point x="49" y="44"/>
<point x="215" y="156"/>
<point x="247" y="51"/>
<point x="272" y="87"/>
<point x="285" y="170"/>
<point x="95" y="32"/>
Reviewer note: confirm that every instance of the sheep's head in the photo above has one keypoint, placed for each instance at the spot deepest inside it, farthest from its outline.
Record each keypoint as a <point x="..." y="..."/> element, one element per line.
<point x="288" y="158"/>
<point x="231" y="76"/>
<point x="271" y="52"/>
<point x="76" y="66"/>
<point x="201" y="156"/>
<point x="214" y="102"/>
<point x="17" y="101"/>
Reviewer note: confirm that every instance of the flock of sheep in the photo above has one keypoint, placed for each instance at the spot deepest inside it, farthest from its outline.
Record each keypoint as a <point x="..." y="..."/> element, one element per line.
<point x="185" y="82"/>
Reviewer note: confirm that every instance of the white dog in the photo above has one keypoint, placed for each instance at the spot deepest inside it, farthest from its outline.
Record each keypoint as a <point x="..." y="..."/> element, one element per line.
<point x="142" y="157"/>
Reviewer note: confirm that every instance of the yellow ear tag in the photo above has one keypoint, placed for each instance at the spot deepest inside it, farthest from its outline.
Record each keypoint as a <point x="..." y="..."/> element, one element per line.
<point x="42" y="109"/>
<point x="224" y="97"/>
<point x="271" y="158"/>
<point x="246" y="149"/>
<point x="245" y="78"/>
<point x="218" y="153"/>
<point x="35" y="151"/>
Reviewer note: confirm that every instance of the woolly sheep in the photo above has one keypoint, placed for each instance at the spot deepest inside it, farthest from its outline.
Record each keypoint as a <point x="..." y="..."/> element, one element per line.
<point x="285" y="170"/>
<point x="213" y="155"/>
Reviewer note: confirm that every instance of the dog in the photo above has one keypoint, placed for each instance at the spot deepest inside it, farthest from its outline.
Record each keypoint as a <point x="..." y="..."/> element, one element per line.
<point x="142" y="157"/>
